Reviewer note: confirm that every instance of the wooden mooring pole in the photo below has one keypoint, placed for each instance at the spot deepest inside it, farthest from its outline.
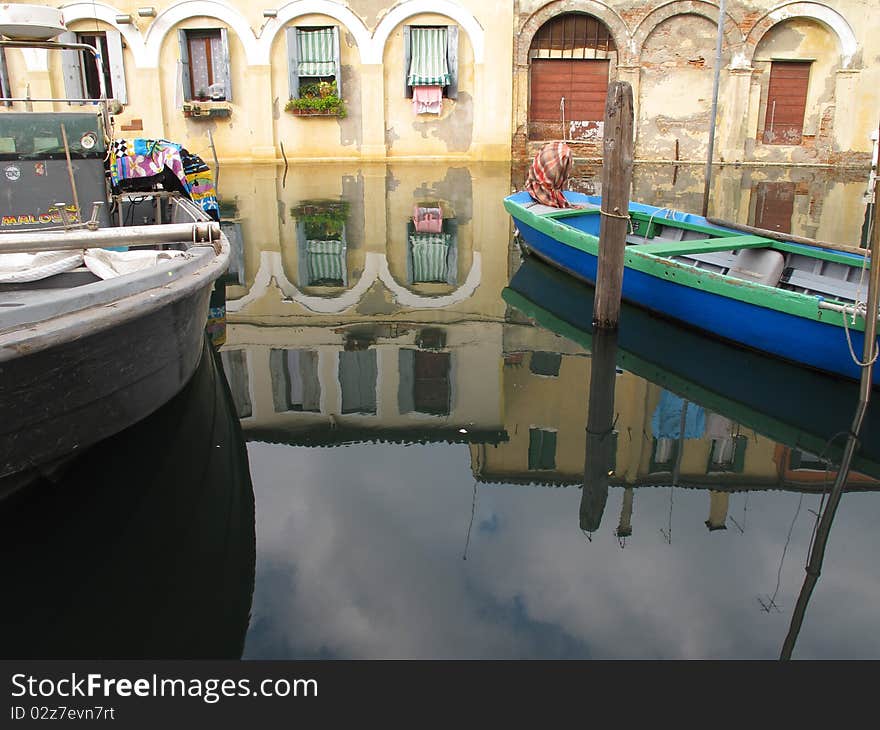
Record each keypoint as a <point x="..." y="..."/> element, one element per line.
<point x="617" y="163"/>
<point x="600" y="442"/>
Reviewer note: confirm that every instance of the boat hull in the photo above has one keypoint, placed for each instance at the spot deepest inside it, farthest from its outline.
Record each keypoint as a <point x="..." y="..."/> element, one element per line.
<point x="62" y="399"/>
<point x="796" y="339"/>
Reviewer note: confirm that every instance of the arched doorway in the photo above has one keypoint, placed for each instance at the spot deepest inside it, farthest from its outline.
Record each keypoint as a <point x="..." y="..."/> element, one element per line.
<point x="571" y="59"/>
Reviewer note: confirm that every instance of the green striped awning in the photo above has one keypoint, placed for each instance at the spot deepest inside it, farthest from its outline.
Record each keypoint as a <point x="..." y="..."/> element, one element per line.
<point x="430" y="253"/>
<point x="316" y="52"/>
<point x="428" y="65"/>
<point x="326" y="262"/>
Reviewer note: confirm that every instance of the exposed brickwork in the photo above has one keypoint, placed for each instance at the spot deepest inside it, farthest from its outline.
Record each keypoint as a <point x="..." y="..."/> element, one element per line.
<point x="680" y="26"/>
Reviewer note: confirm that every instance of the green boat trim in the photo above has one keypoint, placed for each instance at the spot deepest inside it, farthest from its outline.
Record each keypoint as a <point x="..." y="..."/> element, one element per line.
<point x="657" y="262"/>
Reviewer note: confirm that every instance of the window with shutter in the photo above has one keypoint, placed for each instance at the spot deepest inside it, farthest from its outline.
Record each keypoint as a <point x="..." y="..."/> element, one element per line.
<point x="312" y="58"/>
<point x="204" y="55"/>
<point x="542" y="449"/>
<point x="431" y="58"/>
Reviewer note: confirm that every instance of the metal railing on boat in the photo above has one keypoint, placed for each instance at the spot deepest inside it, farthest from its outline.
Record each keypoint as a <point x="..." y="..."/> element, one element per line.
<point x="149" y="235"/>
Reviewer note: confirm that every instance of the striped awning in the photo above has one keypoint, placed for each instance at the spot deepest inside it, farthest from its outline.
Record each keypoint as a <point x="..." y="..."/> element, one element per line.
<point x="316" y="52"/>
<point x="428" y="65"/>
<point x="430" y="256"/>
<point x="326" y="262"/>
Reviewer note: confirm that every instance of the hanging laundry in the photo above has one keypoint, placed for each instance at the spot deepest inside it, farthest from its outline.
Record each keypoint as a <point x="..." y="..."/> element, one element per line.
<point x="666" y="421"/>
<point x="427" y="99"/>
<point x="427" y="220"/>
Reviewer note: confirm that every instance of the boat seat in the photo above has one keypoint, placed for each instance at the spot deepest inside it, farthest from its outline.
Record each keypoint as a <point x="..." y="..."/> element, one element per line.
<point x="763" y="266"/>
<point x="797" y="279"/>
<point x="636" y="239"/>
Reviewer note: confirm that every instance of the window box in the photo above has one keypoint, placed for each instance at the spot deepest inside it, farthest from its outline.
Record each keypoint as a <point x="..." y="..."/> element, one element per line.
<point x="317" y="100"/>
<point x="206" y="109"/>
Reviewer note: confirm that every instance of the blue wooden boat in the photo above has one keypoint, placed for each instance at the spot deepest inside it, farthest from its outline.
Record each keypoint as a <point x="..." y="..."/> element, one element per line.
<point x="801" y="303"/>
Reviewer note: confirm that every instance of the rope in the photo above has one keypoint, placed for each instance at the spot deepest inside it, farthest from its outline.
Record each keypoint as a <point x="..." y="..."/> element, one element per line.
<point x="852" y="351"/>
<point x="614" y="215"/>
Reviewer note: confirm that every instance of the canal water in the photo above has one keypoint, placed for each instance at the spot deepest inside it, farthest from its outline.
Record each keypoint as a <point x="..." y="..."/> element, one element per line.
<point x="394" y="464"/>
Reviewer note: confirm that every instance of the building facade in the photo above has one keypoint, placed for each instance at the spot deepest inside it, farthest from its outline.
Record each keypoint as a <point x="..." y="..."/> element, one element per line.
<point x="798" y="80"/>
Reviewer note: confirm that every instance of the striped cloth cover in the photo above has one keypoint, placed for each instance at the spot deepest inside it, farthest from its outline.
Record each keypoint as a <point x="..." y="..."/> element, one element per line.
<point x="316" y="52"/>
<point x="326" y="261"/>
<point x="428" y="65"/>
<point x="430" y="252"/>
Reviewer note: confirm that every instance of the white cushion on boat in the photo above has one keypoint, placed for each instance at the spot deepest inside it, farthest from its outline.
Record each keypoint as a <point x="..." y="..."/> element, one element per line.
<point x="23" y="267"/>
<point x="760" y="265"/>
<point x="108" y="264"/>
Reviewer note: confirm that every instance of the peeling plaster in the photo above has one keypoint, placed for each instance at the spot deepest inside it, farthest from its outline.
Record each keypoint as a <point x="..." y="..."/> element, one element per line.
<point x="456" y="129"/>
<point x="456" y="188"/>
<point x="370" y="11"/>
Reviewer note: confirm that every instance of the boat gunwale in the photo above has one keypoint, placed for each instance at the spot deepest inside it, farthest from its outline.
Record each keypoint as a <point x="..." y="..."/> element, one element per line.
<point x="103" y="315"/>
<point x="797" y="304"/>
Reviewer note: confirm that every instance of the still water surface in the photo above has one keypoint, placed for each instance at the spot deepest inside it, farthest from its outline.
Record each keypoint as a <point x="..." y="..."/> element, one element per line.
<point x="413" y="401"/>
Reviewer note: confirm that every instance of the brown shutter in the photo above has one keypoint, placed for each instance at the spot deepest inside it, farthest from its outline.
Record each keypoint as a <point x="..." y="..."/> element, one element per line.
<point x="786" y="102"/>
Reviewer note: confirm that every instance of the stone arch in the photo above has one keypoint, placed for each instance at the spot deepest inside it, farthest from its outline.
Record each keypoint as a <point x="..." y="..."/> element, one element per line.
<point x="733" y="36"/>
<point x="286" y="13"/>
<point x="615" y="24"/>
<point x="171" y="16"/>
<point x="819" y="12"/>
<point x="407" y="9"/>
<point x="107" y="14"/>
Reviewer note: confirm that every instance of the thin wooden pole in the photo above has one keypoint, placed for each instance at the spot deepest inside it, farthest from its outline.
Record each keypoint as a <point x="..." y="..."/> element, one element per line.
<point x="70" y="173"/>
<point x="617" y="163"/>
<point x="714" y="113"/>
<point x="778" y="236"/>
<point x="600" y="423"/>
<point x="817" y="553"/>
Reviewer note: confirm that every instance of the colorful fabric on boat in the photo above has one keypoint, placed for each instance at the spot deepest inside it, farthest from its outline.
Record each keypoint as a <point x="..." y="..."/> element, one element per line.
<point x="549" y="174"/>
<point x="428" y="64"/>
<point x="142" y="158"/>
<point x="427" y="99"/>
<point x="666" y="421"/>
<point x="316" y="52"/>
<point x="427" y="220"/>
<point x="430" y="255"/>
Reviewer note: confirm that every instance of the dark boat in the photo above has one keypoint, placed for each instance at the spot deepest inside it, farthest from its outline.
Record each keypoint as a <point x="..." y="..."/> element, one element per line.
<point x="141" y="547"/>
<point x="101" y="321"/>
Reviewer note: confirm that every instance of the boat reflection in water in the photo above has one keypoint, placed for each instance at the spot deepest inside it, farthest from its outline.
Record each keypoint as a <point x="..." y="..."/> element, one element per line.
<point x="143" y="546"/>
<point x="777" y="400"/>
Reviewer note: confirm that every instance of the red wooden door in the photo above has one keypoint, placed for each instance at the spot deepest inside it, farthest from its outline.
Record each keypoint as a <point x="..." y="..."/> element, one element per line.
<point x="774" y="206"/>
<point x="583" y="83"/>
<point x="786" y="102"/>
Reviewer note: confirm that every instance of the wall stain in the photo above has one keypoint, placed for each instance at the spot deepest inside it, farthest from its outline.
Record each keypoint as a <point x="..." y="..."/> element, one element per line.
<point x="351" y="128"/>
<point x="456" y="129"/>
<point x="455" y="188"/>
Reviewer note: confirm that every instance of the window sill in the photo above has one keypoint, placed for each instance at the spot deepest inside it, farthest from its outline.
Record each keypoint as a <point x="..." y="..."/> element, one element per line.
<point x="313" y="113"/>
<point x="207" y="109"/>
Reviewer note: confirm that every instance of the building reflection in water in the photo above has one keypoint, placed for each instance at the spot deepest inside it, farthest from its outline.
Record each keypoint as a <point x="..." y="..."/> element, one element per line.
<point x="366" y="305"/>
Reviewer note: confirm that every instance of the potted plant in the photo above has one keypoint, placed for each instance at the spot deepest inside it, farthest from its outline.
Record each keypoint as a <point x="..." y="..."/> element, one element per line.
<point x="324" y="220"/>
<point x="317" y="99"/>
<point x="202" y="95"/>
